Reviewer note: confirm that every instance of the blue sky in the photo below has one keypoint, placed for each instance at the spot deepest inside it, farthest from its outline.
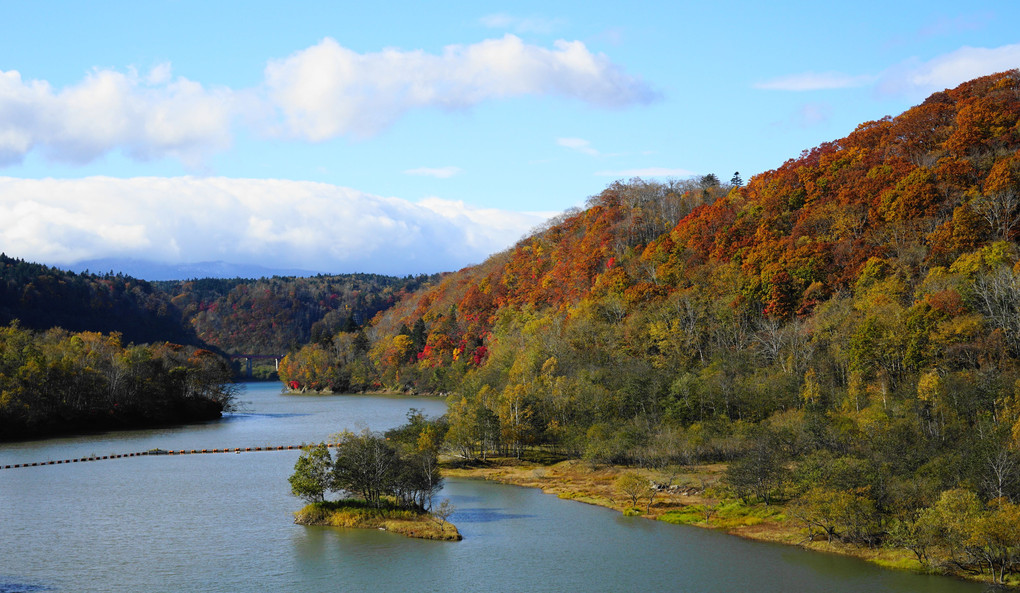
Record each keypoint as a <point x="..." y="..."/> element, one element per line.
<point x="400" y="138"/>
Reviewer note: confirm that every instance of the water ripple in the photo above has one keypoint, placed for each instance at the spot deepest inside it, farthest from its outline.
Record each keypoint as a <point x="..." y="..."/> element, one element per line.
<point x="12" y="585"/>
<point x="485" y="516"/>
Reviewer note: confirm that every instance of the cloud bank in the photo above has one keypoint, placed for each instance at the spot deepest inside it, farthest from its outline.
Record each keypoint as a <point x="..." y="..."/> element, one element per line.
<point x="316" y="94"/>
<point x="272" y="223"/>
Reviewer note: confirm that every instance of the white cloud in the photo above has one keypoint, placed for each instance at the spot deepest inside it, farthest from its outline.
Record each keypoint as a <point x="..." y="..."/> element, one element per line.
<point x="328" y="90"/>
<point x="437" y="172"/>
<point x="147" y="117"/>
<point x="578" y="144"/>
<point x="272" y="223"/>
<point x="949" y="70"/>
<point x="814" y="81"/>
<point x="646" y="172"/>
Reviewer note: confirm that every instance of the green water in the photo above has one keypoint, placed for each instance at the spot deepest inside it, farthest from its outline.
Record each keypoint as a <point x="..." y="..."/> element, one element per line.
<point x="215" y="523"/>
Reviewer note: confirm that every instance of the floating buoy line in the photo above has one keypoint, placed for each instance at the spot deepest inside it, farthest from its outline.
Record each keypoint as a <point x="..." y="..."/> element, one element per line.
<point x="151" y="452"/>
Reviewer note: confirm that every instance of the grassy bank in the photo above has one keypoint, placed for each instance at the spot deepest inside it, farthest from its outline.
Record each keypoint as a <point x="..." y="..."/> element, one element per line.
<point x="358" y="514"/>
<point x="694" y="497"/>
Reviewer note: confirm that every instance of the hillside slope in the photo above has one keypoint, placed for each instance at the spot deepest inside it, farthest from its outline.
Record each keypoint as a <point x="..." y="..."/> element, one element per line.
<point x="42" y="297"/>
<point x="899" y="200"/>
<point x="843" y="331"/>
<point x="252" y="316"/>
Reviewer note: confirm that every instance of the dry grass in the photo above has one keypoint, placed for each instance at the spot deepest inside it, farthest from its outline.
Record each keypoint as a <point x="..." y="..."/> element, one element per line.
<point x="356" y="514"/>
<point x="696" y="498"/>
<point x="578" y="480"/>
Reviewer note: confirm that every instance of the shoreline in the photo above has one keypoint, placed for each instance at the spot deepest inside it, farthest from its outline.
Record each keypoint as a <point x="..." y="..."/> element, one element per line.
<point x="356" y="515"/>
<point x="690" y="503"/>
<point x="389" y="392"/>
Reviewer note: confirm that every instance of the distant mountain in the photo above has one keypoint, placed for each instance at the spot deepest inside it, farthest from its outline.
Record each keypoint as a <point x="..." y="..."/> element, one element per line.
<point x="153" y="271"/>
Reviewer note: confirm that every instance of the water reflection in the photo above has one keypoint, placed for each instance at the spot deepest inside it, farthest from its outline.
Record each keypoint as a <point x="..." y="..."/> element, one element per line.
<point x="250" y="415"/>
<point x="484" y="516"/>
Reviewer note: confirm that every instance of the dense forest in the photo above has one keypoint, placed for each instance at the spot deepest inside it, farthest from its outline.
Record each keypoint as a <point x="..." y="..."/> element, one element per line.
<point x="56" y="382"/>
<point x="42" y="297"/>
<point x="86" y="352"/>
<point x="275" y="315"/>
<point x="843" y="330"/>
<point x="232" y="316"/>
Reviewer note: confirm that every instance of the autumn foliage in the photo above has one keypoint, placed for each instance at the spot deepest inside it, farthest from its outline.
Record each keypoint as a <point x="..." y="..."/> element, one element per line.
<point x="849" y="321"/>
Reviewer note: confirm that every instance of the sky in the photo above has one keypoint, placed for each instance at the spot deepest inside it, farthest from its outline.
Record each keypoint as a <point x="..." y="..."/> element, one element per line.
<point x="405" y="138"/>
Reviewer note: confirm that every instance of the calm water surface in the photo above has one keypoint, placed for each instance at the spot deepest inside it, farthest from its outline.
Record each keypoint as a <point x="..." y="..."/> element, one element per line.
<point x="224" y="523"/>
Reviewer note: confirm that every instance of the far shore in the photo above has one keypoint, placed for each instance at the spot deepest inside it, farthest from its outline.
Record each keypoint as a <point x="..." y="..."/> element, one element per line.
<point x="304" y="391"/>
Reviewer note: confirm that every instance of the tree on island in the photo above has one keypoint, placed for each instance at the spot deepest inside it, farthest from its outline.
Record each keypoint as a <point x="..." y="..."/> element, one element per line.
<point x="313" y="474"/>
<point x="401" y="466"/>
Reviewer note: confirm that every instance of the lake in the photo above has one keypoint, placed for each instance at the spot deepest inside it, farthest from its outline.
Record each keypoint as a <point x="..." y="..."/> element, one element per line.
<point x="219" y="523"/>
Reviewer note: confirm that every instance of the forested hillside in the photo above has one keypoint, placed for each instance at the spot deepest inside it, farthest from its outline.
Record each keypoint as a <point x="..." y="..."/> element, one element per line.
<point x="253" y="316"/>
<point x="41" y="297"/>
<point x="843" y="330"/>
<point x="83" y="352"/>
<point x="274" y="315"/>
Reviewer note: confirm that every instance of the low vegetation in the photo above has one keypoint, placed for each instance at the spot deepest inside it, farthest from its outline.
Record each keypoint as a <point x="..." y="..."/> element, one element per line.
<point x="387" y="516"/>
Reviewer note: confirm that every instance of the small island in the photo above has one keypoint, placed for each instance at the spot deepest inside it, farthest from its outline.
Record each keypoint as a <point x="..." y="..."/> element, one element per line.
<point x="385" y="481"/>
<point x="388" y="517"/>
